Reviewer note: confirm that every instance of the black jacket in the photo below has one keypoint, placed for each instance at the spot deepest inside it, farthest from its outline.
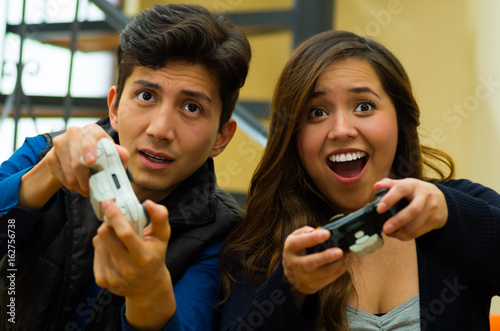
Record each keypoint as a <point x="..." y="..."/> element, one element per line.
<point x="54" y="264"/>
<point x="458" y="274"/>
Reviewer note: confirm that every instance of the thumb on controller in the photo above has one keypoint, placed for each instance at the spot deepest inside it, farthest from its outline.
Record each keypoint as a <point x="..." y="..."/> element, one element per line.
<point x="159" y="225"/>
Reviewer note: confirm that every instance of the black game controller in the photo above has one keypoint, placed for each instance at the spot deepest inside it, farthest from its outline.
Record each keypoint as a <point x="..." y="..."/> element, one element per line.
<point x="360" y="231"/>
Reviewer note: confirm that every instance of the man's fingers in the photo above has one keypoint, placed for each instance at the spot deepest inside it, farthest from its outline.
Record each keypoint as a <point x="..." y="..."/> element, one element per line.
<point x="102" y="262"/>
<point x="160" y="226"/>
<point x="123" y="152"/>
<point x="121" y="226"/>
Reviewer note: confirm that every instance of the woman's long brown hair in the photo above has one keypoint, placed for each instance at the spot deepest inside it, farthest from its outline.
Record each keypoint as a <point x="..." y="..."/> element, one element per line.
<point x="282" y="197"/>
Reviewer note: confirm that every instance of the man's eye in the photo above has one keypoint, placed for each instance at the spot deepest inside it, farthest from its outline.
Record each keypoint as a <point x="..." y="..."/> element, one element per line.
<point x="316" y="112"/>
<point x="146" y="96"/>
<point x="192" y="108"/>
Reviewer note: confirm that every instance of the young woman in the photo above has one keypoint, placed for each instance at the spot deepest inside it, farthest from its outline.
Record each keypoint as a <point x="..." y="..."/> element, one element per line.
<point x="344" y="125"/>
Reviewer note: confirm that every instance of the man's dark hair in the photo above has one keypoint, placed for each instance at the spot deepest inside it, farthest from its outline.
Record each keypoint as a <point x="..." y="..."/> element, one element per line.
<point x="188" y="33"/>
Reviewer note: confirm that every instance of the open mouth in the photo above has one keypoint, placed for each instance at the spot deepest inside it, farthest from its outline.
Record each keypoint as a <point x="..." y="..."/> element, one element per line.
<point x="347" y="165"/>
<point x="154" y="158"/>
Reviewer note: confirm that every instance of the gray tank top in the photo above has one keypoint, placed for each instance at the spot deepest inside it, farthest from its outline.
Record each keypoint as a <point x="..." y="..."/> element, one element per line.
<point x="405" y="317"/>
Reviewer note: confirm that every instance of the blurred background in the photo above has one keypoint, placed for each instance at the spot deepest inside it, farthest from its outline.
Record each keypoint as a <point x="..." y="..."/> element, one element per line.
<point x="57" y="65"/>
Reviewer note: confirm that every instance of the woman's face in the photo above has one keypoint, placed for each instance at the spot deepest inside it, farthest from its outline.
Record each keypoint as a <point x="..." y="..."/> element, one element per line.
<point x="349" y="138"/>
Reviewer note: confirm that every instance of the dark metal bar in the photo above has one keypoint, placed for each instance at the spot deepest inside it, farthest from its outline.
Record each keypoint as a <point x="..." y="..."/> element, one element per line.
<point x="45" y="101"/>
<point x="250" y="124"/>
<point x="258" y="109"/>
<point x="18" y="89"/>
<point x="117" y="19"/>
<point x="262" y="19"/>
<point x="49" y="28"/>
<point x="311" y="17"/>
<point x="68" y="100"/>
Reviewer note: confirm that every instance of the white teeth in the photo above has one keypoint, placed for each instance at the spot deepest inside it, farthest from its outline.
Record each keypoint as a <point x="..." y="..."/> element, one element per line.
<point x="347" y="156"/>
<point x="155" y="158"/>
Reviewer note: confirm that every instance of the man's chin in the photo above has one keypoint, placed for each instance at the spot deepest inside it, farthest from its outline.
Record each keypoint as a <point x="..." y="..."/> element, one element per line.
<point x="155" y="191"/>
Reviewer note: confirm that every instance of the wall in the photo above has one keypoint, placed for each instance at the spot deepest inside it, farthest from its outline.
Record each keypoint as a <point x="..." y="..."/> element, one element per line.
<point x="451" y="51"/>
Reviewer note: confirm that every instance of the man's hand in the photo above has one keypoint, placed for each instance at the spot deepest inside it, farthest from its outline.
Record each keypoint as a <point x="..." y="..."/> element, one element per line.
<point x="134" y="267"/>
<point x="62" y="166"/>
<point x="73" y="147"/>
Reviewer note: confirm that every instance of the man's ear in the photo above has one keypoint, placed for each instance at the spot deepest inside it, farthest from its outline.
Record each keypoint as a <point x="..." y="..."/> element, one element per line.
<point x="112" y="109"/>
<point x="224" y="138"/>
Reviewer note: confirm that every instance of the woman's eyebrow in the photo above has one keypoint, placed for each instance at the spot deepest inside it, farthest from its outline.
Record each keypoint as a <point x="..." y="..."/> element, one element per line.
<point x="356" y="90"/>
<point x="363" y="90"/>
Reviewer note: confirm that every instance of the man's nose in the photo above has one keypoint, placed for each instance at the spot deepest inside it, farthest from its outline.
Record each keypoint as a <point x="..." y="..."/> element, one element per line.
<point x="162" y="124"/>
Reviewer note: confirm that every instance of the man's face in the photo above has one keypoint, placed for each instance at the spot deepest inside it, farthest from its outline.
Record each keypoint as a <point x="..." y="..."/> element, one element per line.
<point x="168" y="119"/>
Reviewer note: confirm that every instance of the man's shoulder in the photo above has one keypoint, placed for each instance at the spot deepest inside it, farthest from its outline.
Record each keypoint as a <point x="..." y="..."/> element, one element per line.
<point x="227" y="206"/>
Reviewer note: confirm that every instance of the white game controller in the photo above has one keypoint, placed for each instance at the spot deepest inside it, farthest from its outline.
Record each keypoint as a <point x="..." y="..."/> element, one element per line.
<point x="110" y="181"/>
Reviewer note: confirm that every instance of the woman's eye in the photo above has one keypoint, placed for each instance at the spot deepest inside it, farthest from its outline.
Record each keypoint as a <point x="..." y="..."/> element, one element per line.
<point x="192" y="108"/>
<point x="365" y="106"/>
<point x="316" y="112"/>
<point x="146" y="96"/>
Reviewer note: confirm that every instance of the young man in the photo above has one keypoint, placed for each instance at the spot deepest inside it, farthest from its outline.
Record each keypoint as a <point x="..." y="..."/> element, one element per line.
<point x="180" y="69"/>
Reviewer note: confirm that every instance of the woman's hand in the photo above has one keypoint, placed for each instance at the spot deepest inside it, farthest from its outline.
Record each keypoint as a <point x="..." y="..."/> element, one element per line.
<point x="427" y="209"/>
<point x="309" y="273"/>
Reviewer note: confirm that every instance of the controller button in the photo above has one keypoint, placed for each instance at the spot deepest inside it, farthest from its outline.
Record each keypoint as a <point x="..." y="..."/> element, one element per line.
<point x="124" y="211"/>
<point x="109" y="147"/>
<point x="359" y="234"/>
<point x="371" y="240"/>
<point x="362" y="240"/>
<point x="98" y="152"/>
<point x="133" y="211"/>
<point x="367" y="245"/>
<point x="104" y="187"/>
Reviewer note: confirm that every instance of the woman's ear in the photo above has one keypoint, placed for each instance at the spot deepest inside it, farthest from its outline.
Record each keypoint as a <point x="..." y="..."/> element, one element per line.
<point x="224" y="138"/>
<point x="113" y="108"/>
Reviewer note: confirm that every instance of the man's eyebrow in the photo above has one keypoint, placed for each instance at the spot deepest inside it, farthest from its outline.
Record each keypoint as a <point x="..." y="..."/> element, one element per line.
<point x="197" y="95"/>
<point x="190" y="93"/>
<point x="147" y="84"/>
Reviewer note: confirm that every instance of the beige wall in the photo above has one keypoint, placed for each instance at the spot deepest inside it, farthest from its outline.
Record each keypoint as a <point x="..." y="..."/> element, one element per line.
<point x="435" y="42"/>
<point x="451" y="51"/>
